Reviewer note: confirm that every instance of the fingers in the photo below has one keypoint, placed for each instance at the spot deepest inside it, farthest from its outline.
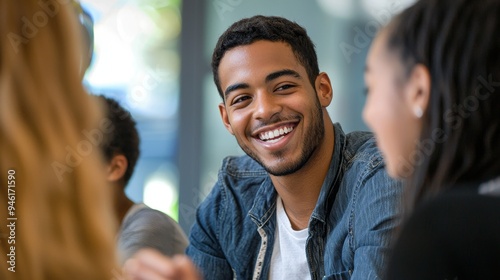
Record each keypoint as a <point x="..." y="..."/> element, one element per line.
<point x="186" y="268"/>
<point x="151" y="265"/>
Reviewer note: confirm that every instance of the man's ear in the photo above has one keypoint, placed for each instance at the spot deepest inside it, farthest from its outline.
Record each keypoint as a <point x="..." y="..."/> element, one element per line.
<point x="117" y="168"/>
<point x="418" y="90"/>
<point x="324" y="89"/>
<point x="225" y="118"/>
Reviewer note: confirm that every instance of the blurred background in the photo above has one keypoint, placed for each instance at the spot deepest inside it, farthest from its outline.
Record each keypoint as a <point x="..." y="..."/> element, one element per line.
<point x="153" y="56"/>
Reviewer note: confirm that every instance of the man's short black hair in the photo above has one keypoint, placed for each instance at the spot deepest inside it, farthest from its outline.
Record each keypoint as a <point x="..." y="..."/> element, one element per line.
<point x="269" y="28"/>
<point x="123" y="139"/>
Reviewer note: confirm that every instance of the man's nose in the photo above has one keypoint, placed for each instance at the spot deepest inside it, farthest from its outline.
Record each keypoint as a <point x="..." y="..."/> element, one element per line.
<point x="266" y="105"/>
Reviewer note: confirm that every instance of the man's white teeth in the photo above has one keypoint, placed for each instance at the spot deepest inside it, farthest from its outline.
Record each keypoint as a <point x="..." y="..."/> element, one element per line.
<point x="269" y="135"/>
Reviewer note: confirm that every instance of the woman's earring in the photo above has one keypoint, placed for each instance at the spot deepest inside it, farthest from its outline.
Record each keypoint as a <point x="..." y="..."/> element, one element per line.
<point x="418" y="112"/>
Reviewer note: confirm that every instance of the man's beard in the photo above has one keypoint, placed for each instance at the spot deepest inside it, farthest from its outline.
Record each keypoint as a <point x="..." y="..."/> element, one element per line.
<point x="313" y="138"/>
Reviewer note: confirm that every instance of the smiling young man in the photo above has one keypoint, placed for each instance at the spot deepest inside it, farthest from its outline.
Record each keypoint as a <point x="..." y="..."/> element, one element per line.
<point x="308" y="201"/>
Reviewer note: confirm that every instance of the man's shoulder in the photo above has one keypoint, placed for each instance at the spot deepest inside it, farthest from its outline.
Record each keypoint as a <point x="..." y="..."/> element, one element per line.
<point x="361" y="146"/>
<point x="364" y="168"/>
<point x="239" y="176"/>
<point x="240" y="181"/>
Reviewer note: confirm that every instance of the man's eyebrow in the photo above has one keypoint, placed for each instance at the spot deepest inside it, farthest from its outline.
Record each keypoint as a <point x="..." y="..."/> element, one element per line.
<point x="270" y="77"/>
<point x="284" y="72"/>
<point x="234" y="87"/>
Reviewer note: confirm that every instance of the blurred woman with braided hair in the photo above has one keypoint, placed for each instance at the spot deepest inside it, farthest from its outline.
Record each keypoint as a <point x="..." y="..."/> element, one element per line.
<point x="61" y="223"/>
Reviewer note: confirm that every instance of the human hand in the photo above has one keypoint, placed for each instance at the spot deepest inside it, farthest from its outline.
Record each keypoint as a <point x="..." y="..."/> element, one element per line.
<point x="149" y="264"/>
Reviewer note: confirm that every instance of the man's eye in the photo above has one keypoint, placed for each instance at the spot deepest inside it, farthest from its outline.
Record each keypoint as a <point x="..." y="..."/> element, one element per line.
<point x="284" y="87"/>
<point x="240" y="99"/>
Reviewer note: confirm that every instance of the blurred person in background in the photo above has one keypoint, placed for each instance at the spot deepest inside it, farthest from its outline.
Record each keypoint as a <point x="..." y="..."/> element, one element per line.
<point x="141" y="226"/>
<point x="433" y="79"/>
<point x="62" y="224"/>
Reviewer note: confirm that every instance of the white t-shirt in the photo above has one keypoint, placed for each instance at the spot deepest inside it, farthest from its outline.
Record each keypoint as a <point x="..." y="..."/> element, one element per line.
<point x="288" y="260"/>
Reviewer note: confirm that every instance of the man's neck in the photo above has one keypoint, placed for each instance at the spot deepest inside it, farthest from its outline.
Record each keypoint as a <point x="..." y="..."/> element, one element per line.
<point x="300" y="191"/>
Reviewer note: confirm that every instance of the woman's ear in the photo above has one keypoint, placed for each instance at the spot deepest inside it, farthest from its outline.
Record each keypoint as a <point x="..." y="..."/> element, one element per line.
<point x="324" y="89"/>
<point x="117" y="168"/>
<point x="225" y="118"/>
<point x="418" y="90"/>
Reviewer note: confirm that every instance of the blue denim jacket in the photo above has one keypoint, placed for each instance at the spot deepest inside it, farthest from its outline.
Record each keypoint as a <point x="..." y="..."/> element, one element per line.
<point x="349" y="233"/>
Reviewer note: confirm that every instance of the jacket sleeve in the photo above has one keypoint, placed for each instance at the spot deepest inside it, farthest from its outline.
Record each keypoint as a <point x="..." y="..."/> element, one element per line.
<point x="204" y="246"/>
<point x="375" y="217"/>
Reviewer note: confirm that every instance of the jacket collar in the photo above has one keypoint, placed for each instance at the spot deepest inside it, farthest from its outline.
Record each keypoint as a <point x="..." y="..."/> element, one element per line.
<point x="331" y="182"/>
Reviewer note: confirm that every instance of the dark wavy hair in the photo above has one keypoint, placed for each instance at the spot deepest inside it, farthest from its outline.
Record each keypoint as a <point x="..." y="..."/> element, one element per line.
<point x="269" y="28"/>
<point x="123" y="138"/>
<point x="458" y="41"/>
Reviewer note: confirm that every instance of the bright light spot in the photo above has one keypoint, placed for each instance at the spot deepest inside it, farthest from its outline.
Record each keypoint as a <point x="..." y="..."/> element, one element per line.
<point x="160" y="194"/>
<point x="349" y="9"/>
<point x="375" y="8"/>
<point x="339" y="8"/>
<point x="133" y="25"/>
<point x="113" y="62"/>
